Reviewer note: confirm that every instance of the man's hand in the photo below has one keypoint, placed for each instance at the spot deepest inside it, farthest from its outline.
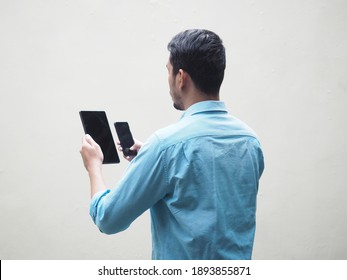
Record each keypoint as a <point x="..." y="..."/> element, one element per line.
<point x="92" y="159"/>
<point x="91" y="154"/>
<point x="136" y="147"/>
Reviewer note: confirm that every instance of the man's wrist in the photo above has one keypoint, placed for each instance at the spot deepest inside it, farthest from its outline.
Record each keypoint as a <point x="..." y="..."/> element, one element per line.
<point x="95" y="169"/>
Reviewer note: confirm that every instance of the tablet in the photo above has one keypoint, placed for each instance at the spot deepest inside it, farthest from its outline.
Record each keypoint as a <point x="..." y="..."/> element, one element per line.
<point x="95" y="124"/>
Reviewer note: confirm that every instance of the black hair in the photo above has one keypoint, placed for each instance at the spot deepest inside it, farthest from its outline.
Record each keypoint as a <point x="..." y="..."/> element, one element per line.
<point x="201" y="54"/>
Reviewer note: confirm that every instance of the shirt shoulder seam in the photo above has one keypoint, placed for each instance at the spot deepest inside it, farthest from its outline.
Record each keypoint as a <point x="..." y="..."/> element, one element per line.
<point x="162" y="150"/>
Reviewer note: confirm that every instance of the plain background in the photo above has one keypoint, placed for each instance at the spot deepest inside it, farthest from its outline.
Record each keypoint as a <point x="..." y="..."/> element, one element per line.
<point x="286" y="77"/>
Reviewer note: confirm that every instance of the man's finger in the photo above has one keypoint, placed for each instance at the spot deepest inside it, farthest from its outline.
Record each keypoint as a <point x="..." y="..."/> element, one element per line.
<point x="89" y="140"/>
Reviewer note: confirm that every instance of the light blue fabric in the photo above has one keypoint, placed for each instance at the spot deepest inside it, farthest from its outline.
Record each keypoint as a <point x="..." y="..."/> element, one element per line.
<point x="199" y="177"/>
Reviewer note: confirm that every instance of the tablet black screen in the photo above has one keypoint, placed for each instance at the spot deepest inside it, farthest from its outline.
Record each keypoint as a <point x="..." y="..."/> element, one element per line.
<point x="95" y="124"/>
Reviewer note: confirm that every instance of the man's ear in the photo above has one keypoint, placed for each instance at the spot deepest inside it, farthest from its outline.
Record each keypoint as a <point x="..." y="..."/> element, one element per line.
<point x="181" y="78"/>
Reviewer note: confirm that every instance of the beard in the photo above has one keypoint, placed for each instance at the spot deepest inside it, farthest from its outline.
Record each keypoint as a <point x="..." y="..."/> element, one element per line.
<point x="176" y="101"/>
<point x="178" y="107"/>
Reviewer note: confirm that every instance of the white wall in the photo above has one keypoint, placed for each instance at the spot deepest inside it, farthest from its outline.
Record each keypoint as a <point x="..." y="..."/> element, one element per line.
<point x="286" y="77"/>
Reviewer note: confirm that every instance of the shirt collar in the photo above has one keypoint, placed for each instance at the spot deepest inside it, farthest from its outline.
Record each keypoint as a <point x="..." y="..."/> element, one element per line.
<point x="205" y="106"/>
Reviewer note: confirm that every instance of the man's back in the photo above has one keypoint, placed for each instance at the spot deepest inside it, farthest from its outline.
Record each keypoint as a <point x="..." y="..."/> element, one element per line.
<point x="213" y="164"/>
<point x="200" y="179"/>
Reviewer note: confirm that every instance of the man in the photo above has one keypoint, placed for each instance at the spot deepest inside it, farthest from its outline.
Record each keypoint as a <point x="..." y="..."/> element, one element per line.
<point x="199" y="177"/>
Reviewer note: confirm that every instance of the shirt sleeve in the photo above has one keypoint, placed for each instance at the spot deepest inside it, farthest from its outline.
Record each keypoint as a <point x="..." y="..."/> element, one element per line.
<point x="143" y="184"/>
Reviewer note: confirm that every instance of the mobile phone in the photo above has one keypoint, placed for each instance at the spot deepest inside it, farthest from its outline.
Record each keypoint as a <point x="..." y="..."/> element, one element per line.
<point x="95" y="124"/>
<point x="125" y="138"/>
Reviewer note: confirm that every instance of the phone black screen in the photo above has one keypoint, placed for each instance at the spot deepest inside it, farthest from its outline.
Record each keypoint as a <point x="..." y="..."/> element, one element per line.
<point x="95" y="124"/>
<point x="125" y="138"/>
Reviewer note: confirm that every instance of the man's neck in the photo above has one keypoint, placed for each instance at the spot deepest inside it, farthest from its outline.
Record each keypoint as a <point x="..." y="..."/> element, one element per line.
<point x="196" y="97"/>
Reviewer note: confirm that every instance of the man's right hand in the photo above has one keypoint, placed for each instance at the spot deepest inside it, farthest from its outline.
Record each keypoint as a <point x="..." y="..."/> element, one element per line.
<point x="136" y="147"/>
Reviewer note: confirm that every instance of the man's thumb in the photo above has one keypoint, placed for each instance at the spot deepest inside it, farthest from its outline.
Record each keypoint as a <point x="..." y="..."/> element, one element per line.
<point x="89" y="139"/>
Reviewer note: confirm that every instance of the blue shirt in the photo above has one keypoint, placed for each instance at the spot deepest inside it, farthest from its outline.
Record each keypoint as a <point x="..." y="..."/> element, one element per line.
<point x="199" y="178"/>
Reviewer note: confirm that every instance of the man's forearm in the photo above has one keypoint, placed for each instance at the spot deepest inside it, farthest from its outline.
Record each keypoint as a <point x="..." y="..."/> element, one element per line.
<point x="97" y="182"/>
